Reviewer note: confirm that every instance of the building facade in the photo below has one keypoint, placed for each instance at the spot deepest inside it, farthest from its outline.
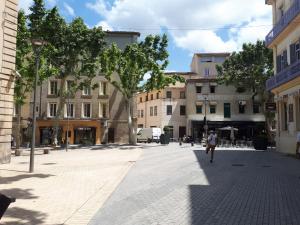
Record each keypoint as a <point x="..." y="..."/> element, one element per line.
<point x="185" y="106"/>
<point x="285" y="84"/>
<point x="8" y="32"/>
<point x="90" y="116"/>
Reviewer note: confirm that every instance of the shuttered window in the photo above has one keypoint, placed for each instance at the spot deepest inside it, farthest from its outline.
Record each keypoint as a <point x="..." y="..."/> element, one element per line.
<point x="227" y="111"/>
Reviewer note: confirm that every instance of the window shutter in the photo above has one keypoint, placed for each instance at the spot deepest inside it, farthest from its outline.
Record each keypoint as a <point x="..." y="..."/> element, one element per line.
<point x="278" y="63"/>
<point x="285" y="62"/>
<point x="293" y="53"/>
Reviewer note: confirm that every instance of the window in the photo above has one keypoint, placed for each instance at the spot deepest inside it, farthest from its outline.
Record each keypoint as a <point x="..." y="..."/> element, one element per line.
<point x="169" y="94"/>
<point x="242" y="107"/>
<point x="298" y="113"/>
<point x="182" y="94"/>
<point x="151" y="96"/>
<point x="103" y="110"/>
<point x="227" y="110"/>
<point x="151" y="111"/>
<point x="102" y="88"/>
<point x="182" y="110"/>
<point x="291" y="113"/>
<point x="212" y="109"/>
<point x="86" y="91"/>
<point x="69" y="85"/>
<point x="157" y="95"/>
<point x="206" y="59"/>
<point x="281" y="61"/>
<point x="212" y="89"/>
<point x="198" y="89"/>
<point x="140" y="125"/>
<point x="142" y="113"/>
<point x="285" y="119"/>
<point x="255" y="107"/>
<point x="141" y="99"/>
<point x="146" y="98"/>
<point x="206" y="72"/>
<point x="52" y="109"/>
<point x="69" y="110"/>
<point x="86" y="110"/>
<point x="198" y="109"/>
<point x="169" y="110"/>
<point x="155" y="110"/>
<point x="53" y="87"/>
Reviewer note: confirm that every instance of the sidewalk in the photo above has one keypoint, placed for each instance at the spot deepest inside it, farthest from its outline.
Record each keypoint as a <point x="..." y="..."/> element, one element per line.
<point x="66" y="188"/>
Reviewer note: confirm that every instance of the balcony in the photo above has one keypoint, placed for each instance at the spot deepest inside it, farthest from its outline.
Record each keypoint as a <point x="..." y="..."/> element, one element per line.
<point x="284" y="76"/>
<point x="284" y="21"/>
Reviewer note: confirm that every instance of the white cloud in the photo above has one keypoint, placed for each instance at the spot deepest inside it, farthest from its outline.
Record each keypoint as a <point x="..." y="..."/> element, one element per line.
<point x="186" y="20"/>
<point x="25" y="4"/>
<point x="69" y="9"/>
<point x="105" y="26"/>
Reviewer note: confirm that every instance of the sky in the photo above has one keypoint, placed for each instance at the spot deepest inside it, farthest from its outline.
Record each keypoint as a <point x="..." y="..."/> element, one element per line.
<point x="192" y="26"/>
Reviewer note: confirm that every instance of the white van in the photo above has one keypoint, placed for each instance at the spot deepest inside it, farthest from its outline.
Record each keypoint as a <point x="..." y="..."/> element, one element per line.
<point x="149" y="135"/>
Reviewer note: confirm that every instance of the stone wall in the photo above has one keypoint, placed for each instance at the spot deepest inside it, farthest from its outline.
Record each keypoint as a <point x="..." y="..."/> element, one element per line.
<point x="8" y="32"/>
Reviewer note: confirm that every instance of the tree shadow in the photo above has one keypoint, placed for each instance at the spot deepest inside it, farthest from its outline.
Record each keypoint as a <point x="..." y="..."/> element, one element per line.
<point x="245" y="187"/>
<point x="18" y="193"/>
<point x="9" y="180"/>
<point x="24" y="216"/>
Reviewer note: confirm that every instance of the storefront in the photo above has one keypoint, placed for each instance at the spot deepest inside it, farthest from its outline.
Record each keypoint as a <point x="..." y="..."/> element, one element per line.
<point x="85" y="135"/>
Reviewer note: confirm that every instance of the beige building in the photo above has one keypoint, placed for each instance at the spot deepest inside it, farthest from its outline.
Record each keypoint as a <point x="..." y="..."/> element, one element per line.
<point x="8" y="32"/>
<point x="91" y="116"/>
<point x="284" y="40"/>
<point x="185" y="106"/>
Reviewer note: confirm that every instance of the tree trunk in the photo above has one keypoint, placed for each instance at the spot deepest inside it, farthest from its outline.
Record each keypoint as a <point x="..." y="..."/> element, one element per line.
<point x="18" y="134"/>
<point x="132" y="131"/>
<point x="59" y="112"/>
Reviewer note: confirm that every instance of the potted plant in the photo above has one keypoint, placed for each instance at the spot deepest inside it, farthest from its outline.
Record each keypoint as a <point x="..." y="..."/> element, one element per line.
<point x="260" y="142"/>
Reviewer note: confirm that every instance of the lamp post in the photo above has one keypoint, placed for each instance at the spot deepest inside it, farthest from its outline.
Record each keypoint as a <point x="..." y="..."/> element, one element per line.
<point x="205" y="119"/>
<point x="68" y="120"/>
<point x="37" y="44"/>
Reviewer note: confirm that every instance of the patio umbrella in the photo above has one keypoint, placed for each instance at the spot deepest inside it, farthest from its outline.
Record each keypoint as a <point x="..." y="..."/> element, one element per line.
<point x="228" y="128"/>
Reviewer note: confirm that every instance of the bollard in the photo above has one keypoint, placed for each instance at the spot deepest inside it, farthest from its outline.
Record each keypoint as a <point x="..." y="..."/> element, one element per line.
<point x="4" y="203"/>
<point x="180" y="142"/>
<point x="192" y="143"/>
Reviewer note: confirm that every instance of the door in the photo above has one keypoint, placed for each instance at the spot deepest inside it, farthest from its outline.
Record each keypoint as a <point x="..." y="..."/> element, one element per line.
<point x="182" y="132"/>
<point x="227" y="111"/>
<point x="111" y="135"/>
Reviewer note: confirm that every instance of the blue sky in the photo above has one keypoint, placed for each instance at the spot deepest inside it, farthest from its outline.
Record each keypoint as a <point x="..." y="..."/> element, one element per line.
<point x="191" y="25"/>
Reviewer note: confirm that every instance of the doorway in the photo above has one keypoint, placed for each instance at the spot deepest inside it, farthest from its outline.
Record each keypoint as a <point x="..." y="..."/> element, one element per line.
<point x="182" y="132"/>
<point x="111" y="135"/>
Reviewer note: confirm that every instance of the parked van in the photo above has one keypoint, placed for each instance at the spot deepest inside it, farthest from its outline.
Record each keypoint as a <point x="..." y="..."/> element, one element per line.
<point x="149" y="135"/>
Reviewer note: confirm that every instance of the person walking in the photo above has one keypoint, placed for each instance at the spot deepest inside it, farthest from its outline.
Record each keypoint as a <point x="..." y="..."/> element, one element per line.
<point x="298" y="145"/>
<point x="211" y="144"/>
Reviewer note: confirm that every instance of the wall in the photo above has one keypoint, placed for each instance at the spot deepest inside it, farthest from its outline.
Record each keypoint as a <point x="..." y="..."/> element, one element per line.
<point x="8" y="32"/>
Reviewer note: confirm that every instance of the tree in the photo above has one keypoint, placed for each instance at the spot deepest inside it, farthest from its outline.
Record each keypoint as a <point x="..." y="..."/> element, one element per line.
<point x="131" y="64"/>
<point x="73" y="53"/>
<point x="24" y="66"/>
<point x="248" y="70"/>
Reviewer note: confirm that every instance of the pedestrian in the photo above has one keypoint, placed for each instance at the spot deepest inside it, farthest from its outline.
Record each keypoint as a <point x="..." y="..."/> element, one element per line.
<point x="298" y="145"/>
<point x="211" y="144"/>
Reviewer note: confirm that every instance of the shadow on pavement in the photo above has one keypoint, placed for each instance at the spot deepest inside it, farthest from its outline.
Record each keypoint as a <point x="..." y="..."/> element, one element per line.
<point x="23" y="216"/>
<point x="8" y="180"/>
<point x="246" y="187"/>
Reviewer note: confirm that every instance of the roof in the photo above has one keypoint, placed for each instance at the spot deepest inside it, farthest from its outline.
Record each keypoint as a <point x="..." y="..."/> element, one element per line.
<point x="123" y="32"/>
<point x="213" y="54"/>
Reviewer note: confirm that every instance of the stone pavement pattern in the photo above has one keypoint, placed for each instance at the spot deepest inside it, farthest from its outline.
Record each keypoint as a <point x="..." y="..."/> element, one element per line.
<point x="66" y="188"/>
<point x="178" y="185"/>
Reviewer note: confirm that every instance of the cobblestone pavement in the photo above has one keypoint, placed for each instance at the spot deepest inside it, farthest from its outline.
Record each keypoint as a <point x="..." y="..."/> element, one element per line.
<point x="67" y="187"/>
<point x="178" y="185"/>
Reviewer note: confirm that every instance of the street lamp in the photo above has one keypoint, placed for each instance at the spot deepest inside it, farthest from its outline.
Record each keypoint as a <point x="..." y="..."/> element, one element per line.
<point x="205" y="119"/>
<point x="37" y="44"/>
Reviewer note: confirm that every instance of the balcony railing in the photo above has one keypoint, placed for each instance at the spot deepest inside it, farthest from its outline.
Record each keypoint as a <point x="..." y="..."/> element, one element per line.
<point x="287" y="17"/>
<point x="284" y="76"/>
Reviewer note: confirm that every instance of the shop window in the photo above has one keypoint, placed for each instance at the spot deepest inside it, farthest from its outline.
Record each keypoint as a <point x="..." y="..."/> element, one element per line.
<point x="169" y="110"/>
<point x="182" y="110"/>
<point x="198" y="109"/>
<point x="212" y="109"/>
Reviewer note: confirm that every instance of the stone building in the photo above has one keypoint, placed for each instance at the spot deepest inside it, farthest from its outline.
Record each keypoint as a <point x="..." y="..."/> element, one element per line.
<point x="185" y="106"/>
<point x="285" y="84"/>
<point x="8" y="32"/>
<point x="91" y="116"/>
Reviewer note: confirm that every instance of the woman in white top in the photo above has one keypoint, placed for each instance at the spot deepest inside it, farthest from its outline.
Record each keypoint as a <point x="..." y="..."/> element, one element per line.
<point x="211" y="144"/>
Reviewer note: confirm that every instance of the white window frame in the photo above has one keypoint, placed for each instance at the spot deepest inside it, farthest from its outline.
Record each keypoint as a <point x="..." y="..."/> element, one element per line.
<point x="86" y="93"/>
<point x="206" y="72"/>
<point x="66" y="111"/>
<point x="49" y="87"/>
<point x="101" y="88"/>
<point x="49" y="109"/>
<point x="101" y="109"/>
<point x="82" y="110"/>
